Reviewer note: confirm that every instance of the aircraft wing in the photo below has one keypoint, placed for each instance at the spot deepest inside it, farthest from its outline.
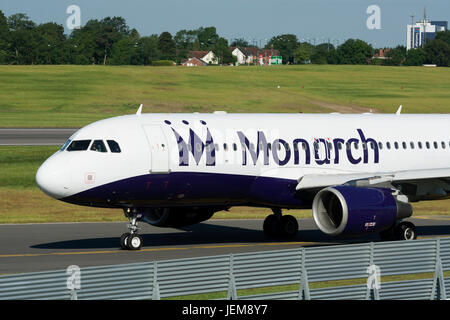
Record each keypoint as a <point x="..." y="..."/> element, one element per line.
<point x="314" y="181"/>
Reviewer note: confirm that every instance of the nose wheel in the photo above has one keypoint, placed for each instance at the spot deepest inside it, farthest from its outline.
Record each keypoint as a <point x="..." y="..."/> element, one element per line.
<point x="277" y="225"/>
<point x="131" y="240"/>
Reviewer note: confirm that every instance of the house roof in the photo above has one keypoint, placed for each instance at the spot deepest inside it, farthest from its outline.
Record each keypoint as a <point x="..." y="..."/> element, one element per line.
<point x="197" y="54"/>
<point x="185" y="61"/>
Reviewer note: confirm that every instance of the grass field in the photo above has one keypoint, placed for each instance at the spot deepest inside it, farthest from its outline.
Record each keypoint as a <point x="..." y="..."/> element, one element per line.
<point x="73" y="96"/>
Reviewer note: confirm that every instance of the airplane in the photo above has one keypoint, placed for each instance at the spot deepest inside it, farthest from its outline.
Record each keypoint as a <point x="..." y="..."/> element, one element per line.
<point x="359" y="173"/>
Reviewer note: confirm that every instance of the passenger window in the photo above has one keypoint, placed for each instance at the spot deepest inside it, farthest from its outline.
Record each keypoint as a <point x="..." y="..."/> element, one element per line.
<point x="420" y="145"/>
<point x="79" y="145"/>
<point x="98" y="146"/>
<point x="404" y="145"/>
<point x="380" y="145"/>
<point x="443" y="145"/>
<point x="388" y="145"/>
<point x="396" y="145"/>
<point x="435" y="145"/>
<point x="269" y="146"/>
<point x="428" y="145"/>
<point x="225" y="147"/>
<point x="412" y="145"/>
<point x="234" y="146"/>
<point x="113" y="146"/>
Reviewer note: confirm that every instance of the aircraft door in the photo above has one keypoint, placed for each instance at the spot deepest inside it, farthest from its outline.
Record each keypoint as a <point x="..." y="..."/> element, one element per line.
<point x="159" y="149"/>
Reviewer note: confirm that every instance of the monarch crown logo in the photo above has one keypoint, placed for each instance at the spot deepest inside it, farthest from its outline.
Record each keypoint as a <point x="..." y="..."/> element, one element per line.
<point x="194" y="146"/>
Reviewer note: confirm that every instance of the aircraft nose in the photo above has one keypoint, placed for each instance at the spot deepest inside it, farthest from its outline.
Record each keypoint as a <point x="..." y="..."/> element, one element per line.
<point x="53" y="177"/>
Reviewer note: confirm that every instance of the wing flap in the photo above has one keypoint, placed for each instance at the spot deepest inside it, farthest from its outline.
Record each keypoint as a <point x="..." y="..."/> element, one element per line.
<point x="312" y="181"/>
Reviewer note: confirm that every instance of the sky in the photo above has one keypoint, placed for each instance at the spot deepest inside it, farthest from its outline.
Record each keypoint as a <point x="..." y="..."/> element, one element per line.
<point x="315" y="21"/>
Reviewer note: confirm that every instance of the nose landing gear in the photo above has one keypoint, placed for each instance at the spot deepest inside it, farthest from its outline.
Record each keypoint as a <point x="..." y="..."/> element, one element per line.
<point x="131" y="240"/>
<point x="277" y="225"/>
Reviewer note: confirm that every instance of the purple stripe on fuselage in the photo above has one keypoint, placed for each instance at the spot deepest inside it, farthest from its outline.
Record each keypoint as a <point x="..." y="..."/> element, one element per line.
<point x="192" y="189"/>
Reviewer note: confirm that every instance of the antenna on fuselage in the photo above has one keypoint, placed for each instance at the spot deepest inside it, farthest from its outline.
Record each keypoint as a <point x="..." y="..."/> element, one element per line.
<point x="139" y="110"/>
<point x="399" y="111"/>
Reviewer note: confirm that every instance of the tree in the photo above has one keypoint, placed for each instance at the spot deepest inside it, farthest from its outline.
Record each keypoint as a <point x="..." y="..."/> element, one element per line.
<point x="23" y="40"/>
<point x="166" y="46"/>
<point x="415" y="57"/>
<point x="4" y="38"/>
<point x="147" y="50"/>
<point x="51" y="44"/>
<point x="124" y="52"/>
<point x="320" y="53"/>
<point x="438" y="52"/>
<point x="221" y="51"/>
<point x="444" y="36"/>
<point x="287" y="44"/>
<point x="354" y="52"/>
<point x="303" y="53"/>
<point x="207" y="37"/>
<point x="111" y="31"/>
<point x="397" y="56"/>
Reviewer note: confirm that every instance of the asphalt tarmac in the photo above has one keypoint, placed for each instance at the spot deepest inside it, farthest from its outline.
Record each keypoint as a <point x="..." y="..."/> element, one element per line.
<point x="43" y="247"/>
<point x="34" y="137"/>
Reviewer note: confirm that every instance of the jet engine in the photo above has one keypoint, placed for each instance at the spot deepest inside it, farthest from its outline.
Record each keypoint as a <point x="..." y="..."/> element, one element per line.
<point x="350" y="210"/>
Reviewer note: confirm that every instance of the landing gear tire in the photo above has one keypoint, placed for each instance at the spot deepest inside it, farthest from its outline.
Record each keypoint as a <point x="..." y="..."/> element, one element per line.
<point x="134" y="241"/>
<point x="289" y="227"/>
<point x="405" y="231"/>
<point x="276" y="225"/>
<point x="123" y="241"/>
<point x="271" y="226"/>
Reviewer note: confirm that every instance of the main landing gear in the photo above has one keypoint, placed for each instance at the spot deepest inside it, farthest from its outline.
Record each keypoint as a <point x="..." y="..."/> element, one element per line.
<point x="131" y="240"/>
<point x="403" y="230"/>
<point x="277" y="225"/>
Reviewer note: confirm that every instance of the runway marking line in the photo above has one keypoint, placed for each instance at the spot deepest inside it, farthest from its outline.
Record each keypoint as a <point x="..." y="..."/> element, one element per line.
<point x="146" y="250"/>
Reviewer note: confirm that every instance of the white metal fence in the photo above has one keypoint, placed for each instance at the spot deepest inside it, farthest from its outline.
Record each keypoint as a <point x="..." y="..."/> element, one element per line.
<point x="302" y="269"/>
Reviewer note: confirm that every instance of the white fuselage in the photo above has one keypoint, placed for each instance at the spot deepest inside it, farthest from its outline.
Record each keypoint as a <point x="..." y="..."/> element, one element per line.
<point x="279" y="147"/>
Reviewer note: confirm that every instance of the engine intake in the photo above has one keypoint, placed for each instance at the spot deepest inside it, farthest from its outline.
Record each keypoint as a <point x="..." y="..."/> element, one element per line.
<point x="355" y="210"/>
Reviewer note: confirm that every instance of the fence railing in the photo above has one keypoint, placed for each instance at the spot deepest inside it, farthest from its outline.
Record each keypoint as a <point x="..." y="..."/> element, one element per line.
<point x="228" y="275"/>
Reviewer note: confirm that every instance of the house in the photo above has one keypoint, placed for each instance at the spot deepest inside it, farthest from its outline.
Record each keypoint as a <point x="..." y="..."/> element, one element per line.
<point x="252" y="55"/>
<point x="240" y="55"/>
<point x="193" y="62"/>
<point x="207" y="56"/>
<point x="382" y="54"/>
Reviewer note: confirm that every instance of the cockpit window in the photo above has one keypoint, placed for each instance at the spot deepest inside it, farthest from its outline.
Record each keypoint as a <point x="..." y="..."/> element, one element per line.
<point x="98" y="146"/>
<point x="113" y="146"/>
<point x="79" y="145"/>
<point x="65" y="145"/>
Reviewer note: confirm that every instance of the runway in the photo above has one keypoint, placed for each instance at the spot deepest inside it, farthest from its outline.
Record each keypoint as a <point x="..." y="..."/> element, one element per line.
<point x="43" y="247"/>
<point x="34" y="136"/>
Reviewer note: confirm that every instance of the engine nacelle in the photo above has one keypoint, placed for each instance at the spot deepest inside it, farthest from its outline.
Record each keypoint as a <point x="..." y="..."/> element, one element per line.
<point x="175" y="217"/>
<point x="353" y="210"/>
